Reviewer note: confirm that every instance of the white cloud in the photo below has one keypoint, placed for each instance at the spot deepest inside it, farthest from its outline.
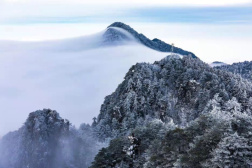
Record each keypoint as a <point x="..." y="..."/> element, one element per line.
<point x="204" y="40"/>
<point x="71" y="76"/>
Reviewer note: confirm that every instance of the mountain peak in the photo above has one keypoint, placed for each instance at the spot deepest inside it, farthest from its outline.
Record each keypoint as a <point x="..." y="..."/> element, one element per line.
<point x="46" y="120"/>
<point x="118" y="24"/>
<point x="155" y="44"/>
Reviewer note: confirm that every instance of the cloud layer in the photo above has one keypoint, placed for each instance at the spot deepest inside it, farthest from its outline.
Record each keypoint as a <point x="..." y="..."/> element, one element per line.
<point x="71" y="76"/>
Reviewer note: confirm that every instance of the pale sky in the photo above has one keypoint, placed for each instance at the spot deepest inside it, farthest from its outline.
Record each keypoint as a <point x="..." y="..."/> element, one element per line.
<point x="141" y="2"/>
<point x="16" y="10"/>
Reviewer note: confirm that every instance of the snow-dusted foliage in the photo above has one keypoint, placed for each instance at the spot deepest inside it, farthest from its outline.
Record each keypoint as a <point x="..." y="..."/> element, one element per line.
<point x="232" y="151"/>
<point x="127" y="151"/>
<point x="48" y="141"/>
<point x="203" y="107"/>
<point x="171" y="89"/>
<point x="218" y="138"/>
<point x="243" y="68"/>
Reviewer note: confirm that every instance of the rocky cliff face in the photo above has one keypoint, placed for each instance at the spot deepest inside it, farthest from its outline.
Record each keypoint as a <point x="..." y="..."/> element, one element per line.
<point x="37" y="143"/>
<point x="48" y="141"/>
<point x="115" y="36"/>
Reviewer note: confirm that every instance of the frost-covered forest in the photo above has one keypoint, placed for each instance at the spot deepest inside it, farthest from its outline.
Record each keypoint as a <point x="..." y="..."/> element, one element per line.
<point x="177" y="112"/>
<point x="242" y="68"/>
<point x="186" y="114"/>
<point x="182" y="112"/>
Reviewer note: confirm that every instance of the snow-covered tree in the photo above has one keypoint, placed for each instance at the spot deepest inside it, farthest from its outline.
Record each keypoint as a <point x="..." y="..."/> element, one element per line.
<point x="232" y="151"/>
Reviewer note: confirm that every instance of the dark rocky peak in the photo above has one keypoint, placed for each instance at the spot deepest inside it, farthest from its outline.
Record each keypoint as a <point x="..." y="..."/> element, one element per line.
<point x="116" y="36"/>
<point x="46" y="123"/>
<point x="48" y="141"/>
<point x="155" y="44"/>
<point x="39" y="143"/>
<point x="123" y="26"/>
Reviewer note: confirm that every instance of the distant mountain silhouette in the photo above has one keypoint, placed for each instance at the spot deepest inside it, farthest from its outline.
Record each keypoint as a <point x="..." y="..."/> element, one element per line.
<point x="155" y="44"/>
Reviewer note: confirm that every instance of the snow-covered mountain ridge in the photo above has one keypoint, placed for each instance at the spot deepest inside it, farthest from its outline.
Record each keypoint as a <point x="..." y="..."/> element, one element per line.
<point x="155" y="44"/>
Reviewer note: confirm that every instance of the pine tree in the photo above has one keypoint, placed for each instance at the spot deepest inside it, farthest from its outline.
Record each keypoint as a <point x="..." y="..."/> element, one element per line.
<point x="232" y="151"/>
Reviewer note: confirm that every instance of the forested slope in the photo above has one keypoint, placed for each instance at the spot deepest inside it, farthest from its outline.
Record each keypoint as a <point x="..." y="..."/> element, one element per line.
<point x="179" y="113"/>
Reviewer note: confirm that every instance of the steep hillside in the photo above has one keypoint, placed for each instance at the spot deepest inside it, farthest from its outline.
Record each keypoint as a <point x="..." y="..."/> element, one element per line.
<point x="171" y="89"/>
<point x="219" y="138"/>
<point x="177" y="113"/>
